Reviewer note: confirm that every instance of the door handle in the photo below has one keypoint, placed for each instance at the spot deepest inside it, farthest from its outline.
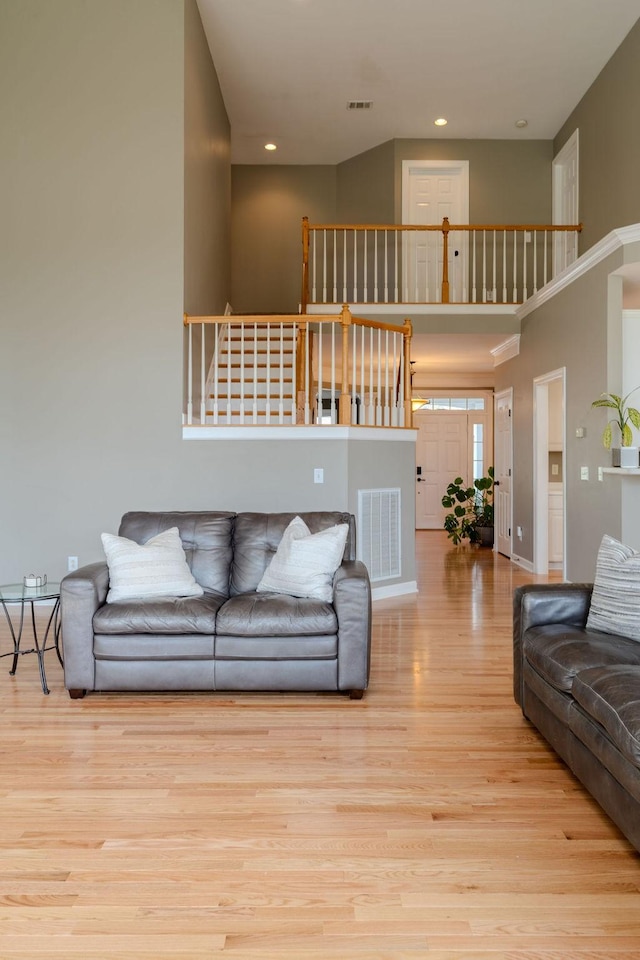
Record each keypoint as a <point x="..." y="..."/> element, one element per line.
<point x="496" y="483"/>
<point x="420" y="480"/>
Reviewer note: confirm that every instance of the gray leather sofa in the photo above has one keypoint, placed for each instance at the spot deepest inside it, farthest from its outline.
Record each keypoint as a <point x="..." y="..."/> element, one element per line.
<point x="231" y="638"/>
<point x="581" y="689"/>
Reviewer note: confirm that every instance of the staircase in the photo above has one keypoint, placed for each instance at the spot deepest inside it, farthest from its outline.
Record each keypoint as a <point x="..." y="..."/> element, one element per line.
<point x="252" y="377"/>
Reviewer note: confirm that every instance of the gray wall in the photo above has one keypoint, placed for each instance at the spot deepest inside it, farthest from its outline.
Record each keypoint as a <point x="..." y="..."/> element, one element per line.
<point x="609" y="133"/>
<point x="510" y="182"/>
<point x="580" y="330"/>
<point x="91" y="271"/>
<point x="268" y="205"/>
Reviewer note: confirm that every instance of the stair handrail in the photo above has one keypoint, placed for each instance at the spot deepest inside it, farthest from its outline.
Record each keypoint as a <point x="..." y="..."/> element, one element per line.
<point x="445" y="229"/>
<point x="303" y="355"/>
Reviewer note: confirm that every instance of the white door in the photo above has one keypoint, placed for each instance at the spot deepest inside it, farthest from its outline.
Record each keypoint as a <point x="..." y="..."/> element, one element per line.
<point x="565" y="202"/>
<point x="431" y="191"/>
<point x="502" y="503"/>
<point x="441" y="456"/>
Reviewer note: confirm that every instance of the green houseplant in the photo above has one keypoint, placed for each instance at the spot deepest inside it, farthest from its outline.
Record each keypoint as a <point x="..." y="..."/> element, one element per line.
<point x="471" y="508"/>
<point x="625" y="417"/>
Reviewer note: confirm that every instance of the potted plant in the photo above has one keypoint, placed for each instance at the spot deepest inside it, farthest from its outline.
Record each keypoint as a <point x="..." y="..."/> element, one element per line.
<point x="471" y="508"/>
<point x="626" y="455"/>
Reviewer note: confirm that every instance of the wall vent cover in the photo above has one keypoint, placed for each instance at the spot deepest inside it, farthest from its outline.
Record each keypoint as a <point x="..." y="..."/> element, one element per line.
<point x="378" y="534"/>
<point x="359" y="104"/>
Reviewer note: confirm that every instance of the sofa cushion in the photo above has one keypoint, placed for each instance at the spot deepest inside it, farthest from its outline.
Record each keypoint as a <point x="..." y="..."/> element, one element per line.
<point x="256" y="538"/>
<point x="157" y="568"/>
<point x="611" y="696"/>
<point x="206" y="539"/>
<point x="276" y="648"/>
<point x="558" y="652"/>
<point x="615" y="601"/>
<point x="148" y="647"/>
<point x="168" y="616"/>
<point x="305" y="563"/>
<point x="275" y="615"/>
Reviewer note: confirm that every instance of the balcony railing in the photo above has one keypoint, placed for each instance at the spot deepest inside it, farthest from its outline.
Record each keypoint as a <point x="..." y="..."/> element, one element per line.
<point x="297" y="370"/>
<point x="445" y="263"/>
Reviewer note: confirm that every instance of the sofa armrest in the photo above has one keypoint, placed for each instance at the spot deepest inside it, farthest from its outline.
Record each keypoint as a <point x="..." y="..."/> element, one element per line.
<point x="81" y="594"/>
<point x="352" y="603"/>
<point x="536" y="604"/>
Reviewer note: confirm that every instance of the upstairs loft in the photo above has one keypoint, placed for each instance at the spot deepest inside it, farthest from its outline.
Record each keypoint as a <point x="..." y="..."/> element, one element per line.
<point x="345" y="360"/>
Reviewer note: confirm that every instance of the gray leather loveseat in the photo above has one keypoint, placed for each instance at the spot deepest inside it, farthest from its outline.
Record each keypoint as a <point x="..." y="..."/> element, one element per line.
<point x="581" y="689"/>
<point x="231" y="637"/>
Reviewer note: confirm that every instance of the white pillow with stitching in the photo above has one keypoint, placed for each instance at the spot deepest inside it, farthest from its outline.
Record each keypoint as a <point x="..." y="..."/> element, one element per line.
<point x="304" y="563"/>
<point x="615" y="601"/>
<point x="157" y="568"/>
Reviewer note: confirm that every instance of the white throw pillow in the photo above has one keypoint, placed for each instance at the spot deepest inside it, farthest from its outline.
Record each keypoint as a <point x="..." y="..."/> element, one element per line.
<point x="157" y="568"/>
<point x="615" y="602"/>
<point x="304" y="563"/>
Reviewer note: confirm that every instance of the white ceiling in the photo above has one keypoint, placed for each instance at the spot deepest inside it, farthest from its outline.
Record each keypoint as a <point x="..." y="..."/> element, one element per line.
<point x="288" y="67"/>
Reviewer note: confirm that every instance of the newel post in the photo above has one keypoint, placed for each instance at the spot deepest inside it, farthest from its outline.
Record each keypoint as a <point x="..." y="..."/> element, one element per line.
<point x="407" y="329"/>
<point x="445" y="260"/>
<point x="305" y="265"/>
<point x="344" y="417"/>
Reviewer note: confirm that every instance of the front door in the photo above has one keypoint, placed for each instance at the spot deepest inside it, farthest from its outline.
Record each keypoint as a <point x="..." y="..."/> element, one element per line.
<point x="431" y="191"/>
<point x="441" y="456"/>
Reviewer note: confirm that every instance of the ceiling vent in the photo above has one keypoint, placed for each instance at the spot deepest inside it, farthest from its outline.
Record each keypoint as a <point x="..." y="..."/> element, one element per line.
<point x="359" y="104"/>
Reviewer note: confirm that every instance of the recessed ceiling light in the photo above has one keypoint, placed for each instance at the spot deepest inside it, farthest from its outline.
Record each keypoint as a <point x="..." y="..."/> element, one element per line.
<point x="270" y="146"/>
<point x="522" y="123"/>
<point x="441" y="122"/>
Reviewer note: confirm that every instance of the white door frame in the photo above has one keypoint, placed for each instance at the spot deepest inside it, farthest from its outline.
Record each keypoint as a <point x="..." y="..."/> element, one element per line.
<point x="564" y="211"/>
<point x="504" y="394"/>
<point x="541" y="470"/>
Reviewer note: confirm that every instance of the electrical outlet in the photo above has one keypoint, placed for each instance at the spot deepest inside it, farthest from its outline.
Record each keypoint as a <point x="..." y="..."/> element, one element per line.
<point x="72" y="564"/>
<point x="318" y="475"/>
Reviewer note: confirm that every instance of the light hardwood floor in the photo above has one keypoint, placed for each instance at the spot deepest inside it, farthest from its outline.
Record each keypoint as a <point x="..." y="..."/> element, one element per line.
<point x="428" y="820"/>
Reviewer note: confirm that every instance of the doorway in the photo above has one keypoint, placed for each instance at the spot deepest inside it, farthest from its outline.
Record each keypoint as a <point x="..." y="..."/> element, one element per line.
<point x="431" y="191"/>
<point x="565" y="199"/>
<point x="455" y="439"/>
<point x="549" y="525"/>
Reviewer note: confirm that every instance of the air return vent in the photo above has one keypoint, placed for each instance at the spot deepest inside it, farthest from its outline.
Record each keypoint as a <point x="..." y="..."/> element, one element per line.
<point x="379" y="532"/>
<point x="359" y="104"/>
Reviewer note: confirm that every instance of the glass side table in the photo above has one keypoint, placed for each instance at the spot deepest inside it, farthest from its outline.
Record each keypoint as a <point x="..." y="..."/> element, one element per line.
<point x="17" y="593"/>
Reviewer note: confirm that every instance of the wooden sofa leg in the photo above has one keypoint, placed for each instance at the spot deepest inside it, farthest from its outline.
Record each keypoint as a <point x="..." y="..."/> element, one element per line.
<point x="77" y="694"/>
<point x="356" y="694"/>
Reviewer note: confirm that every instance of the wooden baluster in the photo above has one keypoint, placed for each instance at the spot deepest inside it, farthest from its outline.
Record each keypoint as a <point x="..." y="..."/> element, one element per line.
<point x="386" y="266"/>
<point x="332" y="381"/>
<point x="365" y="270"/>
<point x="203" y="376"/>
<point x="375" y="266"/>
<point x="379" y="384"/>
<point x="344" y="267"/>
<point x="474" y="294"/>
<point x="354" y="367"/>
<point x="407" y="334"/>
<point x="546" y="256"/>
<point x="387" y="412"/>
<point x="324" y="266"/>
<point x="216" y="375"/>
<point x="344" y="414"/>
<point x="229" y="373"/>
<point x="484" y="266"/>
<point x="319" y="397"/>
<point x="372" y="411"/>
<point x="396" y="238"/>
<point x="445" y="260"/>
<point x="363" y="382"/>
<point x="495" y="287"/>
<point x="534" y="235"/>
<point x="189" y="373"/>
<point x="524" y="265"/>
<point x="515" y="267"/>
<point x="504" y="266"/>
<point x="355" y="266"/>
<point x="335" y="267"/>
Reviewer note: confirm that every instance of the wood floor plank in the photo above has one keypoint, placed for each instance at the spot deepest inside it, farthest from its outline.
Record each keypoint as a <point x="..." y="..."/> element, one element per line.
<point x="428" y="820"/>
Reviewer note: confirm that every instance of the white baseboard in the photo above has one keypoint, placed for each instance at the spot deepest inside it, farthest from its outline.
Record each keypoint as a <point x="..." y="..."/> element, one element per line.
<point x="394" y="590"/>
<point x="521" y="562"/>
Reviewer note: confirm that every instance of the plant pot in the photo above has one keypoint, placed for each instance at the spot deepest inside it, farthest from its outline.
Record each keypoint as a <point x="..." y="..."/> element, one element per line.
<point x="485" y="536"/>
<point x="624" y="457"/>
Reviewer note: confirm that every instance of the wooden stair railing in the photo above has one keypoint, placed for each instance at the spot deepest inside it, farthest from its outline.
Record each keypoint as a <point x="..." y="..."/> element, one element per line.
<point x="441" y="263"/>
<point x="295" y="370"/>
